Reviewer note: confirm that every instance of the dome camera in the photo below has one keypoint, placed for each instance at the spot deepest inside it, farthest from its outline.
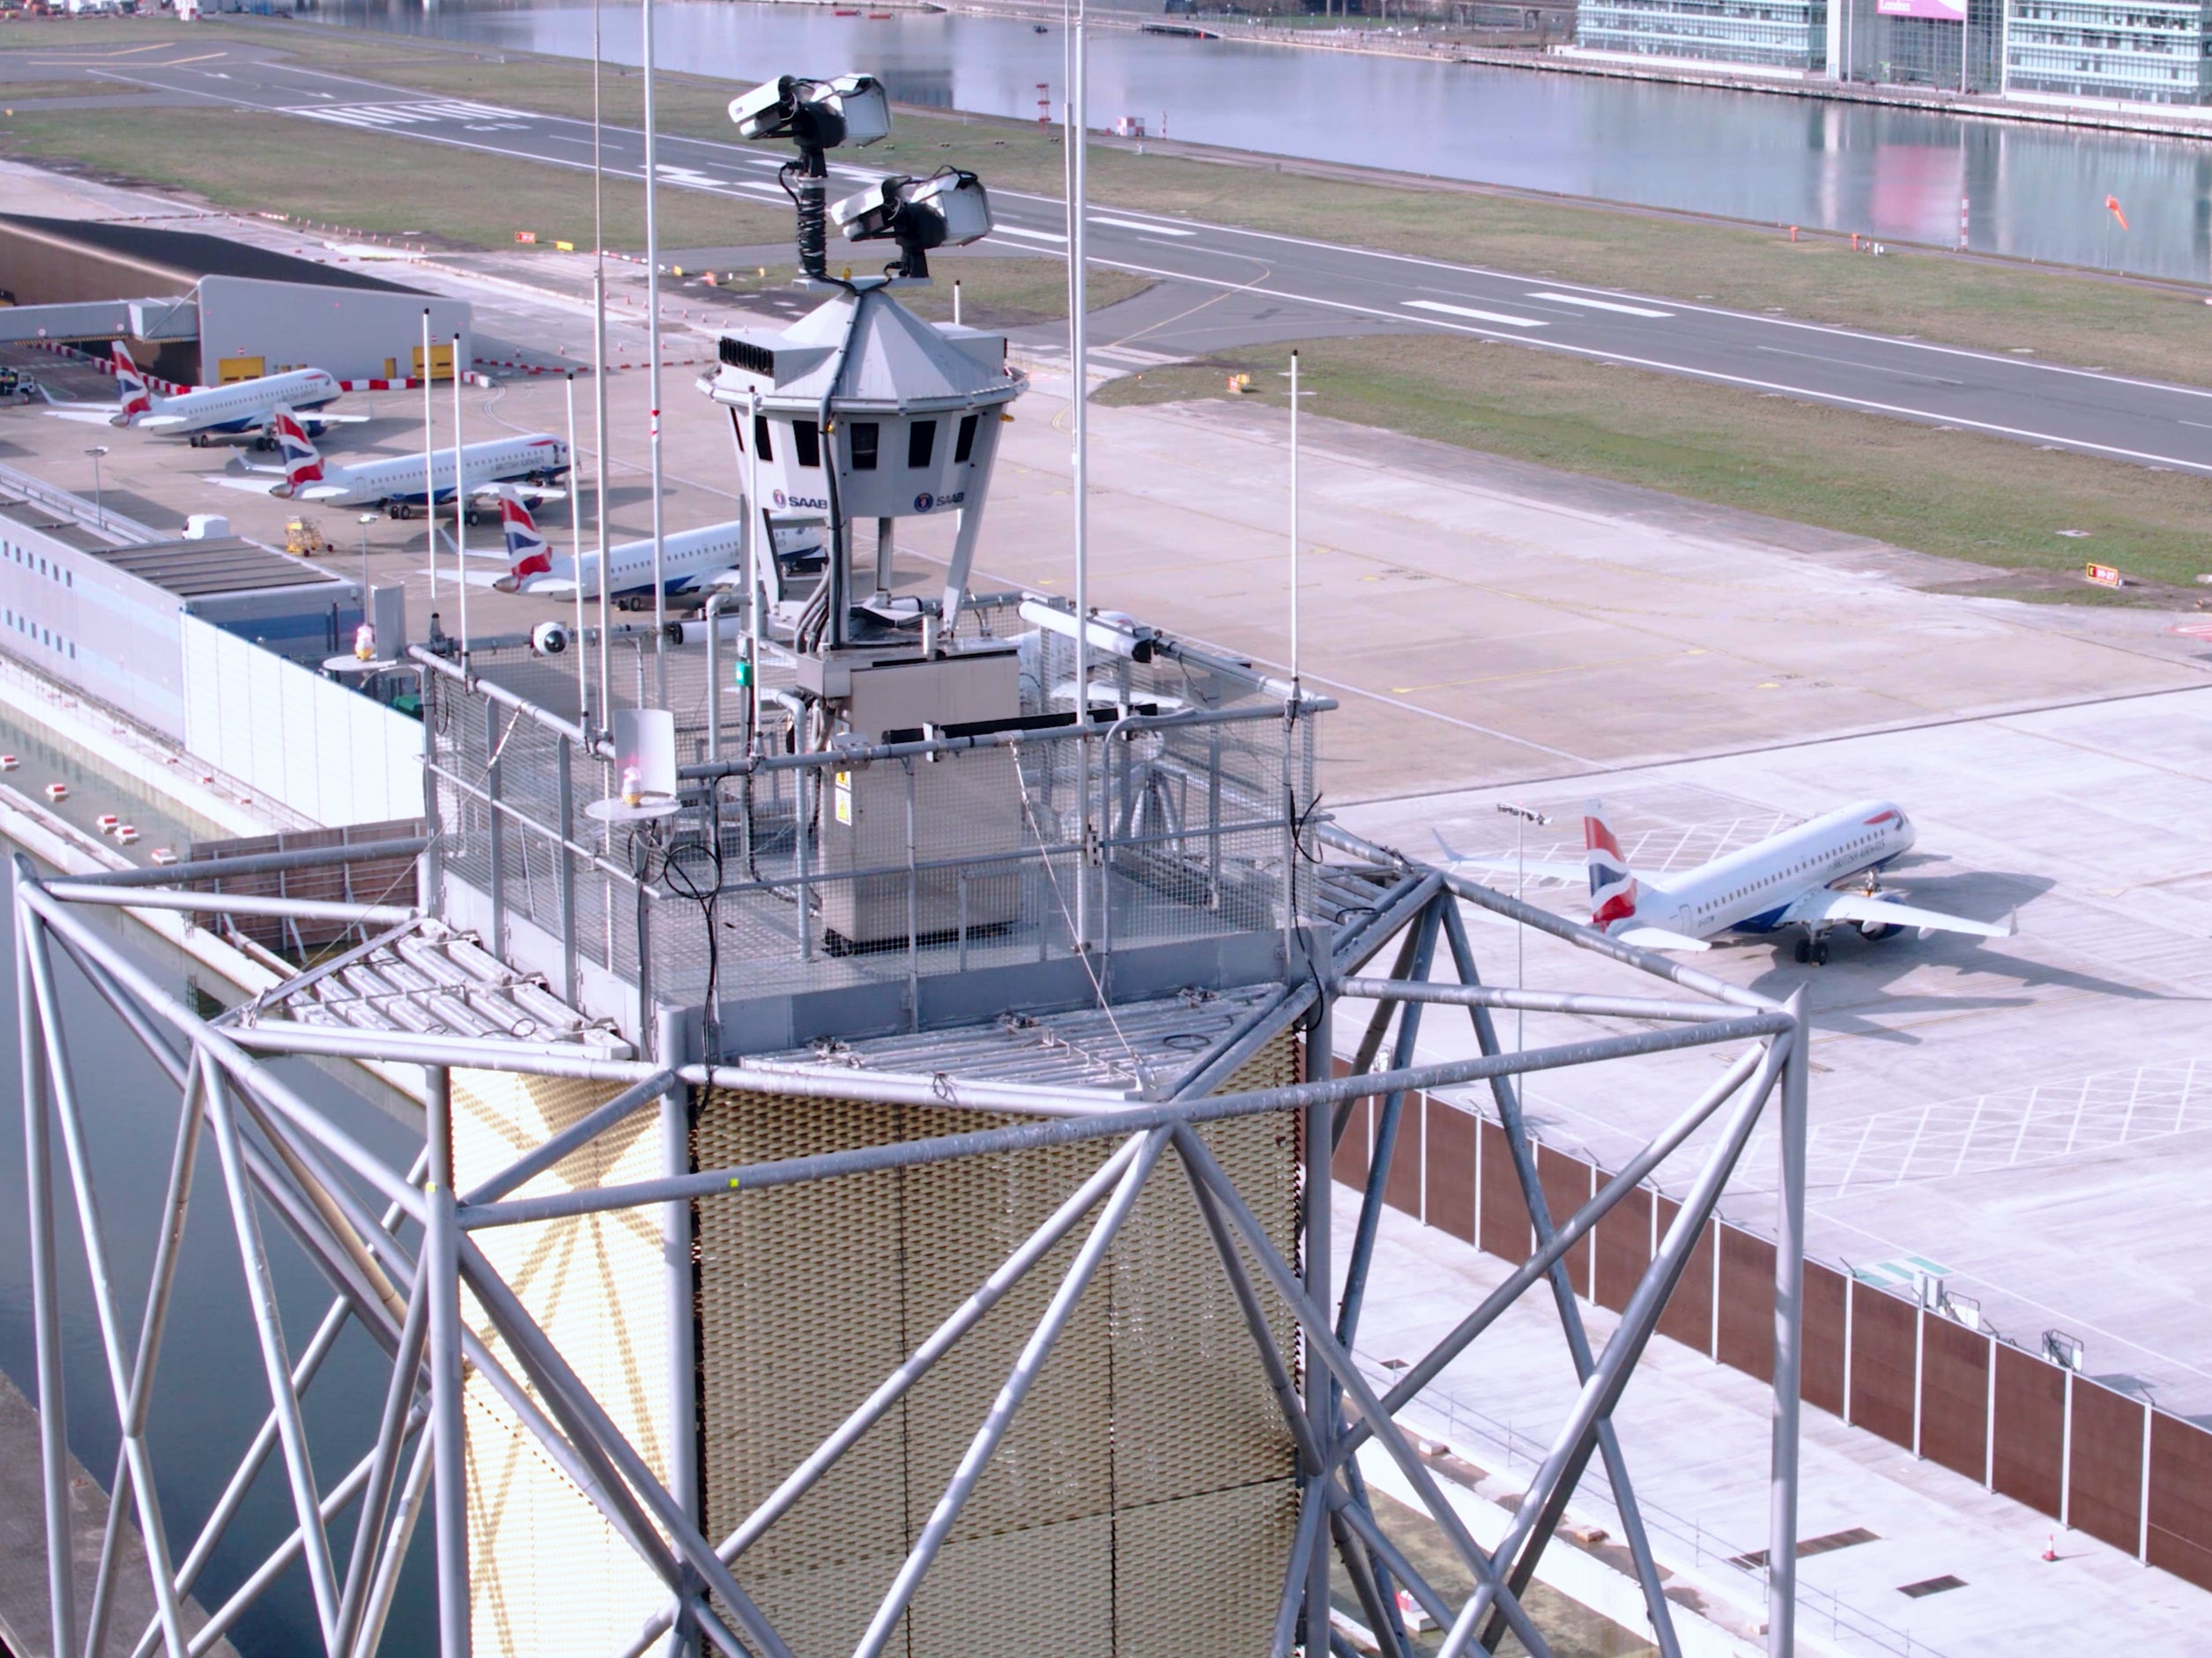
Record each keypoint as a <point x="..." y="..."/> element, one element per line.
<point x="548" y="639"/>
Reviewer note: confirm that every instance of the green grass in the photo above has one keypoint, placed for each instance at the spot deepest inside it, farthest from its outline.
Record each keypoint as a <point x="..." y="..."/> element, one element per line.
<point x="994" y="293"/>
<point x="1953" y="494"/>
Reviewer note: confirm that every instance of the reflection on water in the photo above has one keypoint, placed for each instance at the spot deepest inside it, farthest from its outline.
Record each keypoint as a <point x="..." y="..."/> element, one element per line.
<point x="2038" y="193"/>
<point x="210" y="1394"/>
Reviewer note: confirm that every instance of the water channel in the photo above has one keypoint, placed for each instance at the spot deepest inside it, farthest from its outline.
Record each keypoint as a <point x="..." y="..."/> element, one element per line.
<point x="2033" y="192"/>
<point x="210" y="1396"/>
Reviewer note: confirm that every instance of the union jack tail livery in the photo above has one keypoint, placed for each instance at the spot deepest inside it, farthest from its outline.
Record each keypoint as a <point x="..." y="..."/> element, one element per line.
<point x="1613" y="893"/>
<point x="301" y="465"/>
<point x="130" y="388"/>
<point x="527" y="553"/>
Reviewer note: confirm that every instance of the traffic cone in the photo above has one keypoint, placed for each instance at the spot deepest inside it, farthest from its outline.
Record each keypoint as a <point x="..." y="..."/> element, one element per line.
<point x="2050" y="1547"/>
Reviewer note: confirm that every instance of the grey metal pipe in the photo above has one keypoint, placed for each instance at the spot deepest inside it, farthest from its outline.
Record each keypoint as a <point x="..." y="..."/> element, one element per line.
<point x="1789" y="1340"/>
<point x="1605" y="1382"/>
<point x="1311" y="1504"/>
<point x="408" y="1047"/>
<point x="83" y="943"/>
<point x="823" y="1082"/>
<point x="231" y="903"/>
<point x="577" y="1134"/>
<point x="369" y="1525"/>
<point x="895" y="1386"/>
<point x="1026" y="1367"/>
<point x="497" y="693"/>
<point x="394" y="1554"/>
<point x="440" y="1267"/>
<point x="1319" y="1262"/>
<point x="1347" y="1376"/>
<point x="46" y="1313"/>
<point x="1526" y="1001"/>
<point x="259" y="863"/>
<point x="587" y="1422"/>
<point x="291" y="1431"/>
<point x="1067" y="1131"/>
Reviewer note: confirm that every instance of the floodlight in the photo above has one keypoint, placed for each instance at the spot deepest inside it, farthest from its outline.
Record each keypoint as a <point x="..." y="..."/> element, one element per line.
<point x="815" y="114"/>
<point x="949" y="208"/>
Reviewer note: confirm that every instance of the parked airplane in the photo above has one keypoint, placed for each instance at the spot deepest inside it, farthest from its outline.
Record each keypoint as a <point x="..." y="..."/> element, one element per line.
<point x="398" y="484"/>
<point x="248" y="405"/>
<point x="691" y="560"/>
<point x="1791" y="879"/>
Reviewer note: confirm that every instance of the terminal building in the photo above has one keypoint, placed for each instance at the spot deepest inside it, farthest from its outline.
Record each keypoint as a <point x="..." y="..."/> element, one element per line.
<point x="2069" y="49"/>
<point x="203" y="310"/>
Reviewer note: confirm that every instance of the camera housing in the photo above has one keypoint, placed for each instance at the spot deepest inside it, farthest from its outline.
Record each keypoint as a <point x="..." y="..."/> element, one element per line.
<point x="815" y="114"/>
<point x="950" y="208"/>
<point x="548" y="639"/>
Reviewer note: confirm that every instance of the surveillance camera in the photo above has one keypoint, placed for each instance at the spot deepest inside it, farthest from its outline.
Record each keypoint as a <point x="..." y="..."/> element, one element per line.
<point x="548" y="639"/>
<point x="950" y="208"/>
<point x="815" y="114"/>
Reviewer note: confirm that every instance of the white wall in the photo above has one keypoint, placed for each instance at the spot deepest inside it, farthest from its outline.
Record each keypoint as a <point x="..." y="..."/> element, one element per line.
<point x="323" y="750"/>
<point x="350" y="333"/>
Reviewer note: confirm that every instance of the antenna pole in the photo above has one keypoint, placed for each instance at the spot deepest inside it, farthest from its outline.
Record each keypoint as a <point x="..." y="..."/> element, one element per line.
<point x="653" y="371"/>
<point x="1078" y="353"/>
<point x="429" y="477"/>
<point x="598" y="380"/>
<point x="460" y="508"/>
<point x="575" y="557"/>
<point x="1293" y="524"/>
<point x="759" y="542"/>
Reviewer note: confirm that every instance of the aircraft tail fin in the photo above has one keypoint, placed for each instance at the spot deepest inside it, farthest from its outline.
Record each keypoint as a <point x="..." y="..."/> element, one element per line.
<point x="527" y="553"/>
<point x="302" y="464"/>
<point x="1612" y="889"/>
<point x="134" y="399"/>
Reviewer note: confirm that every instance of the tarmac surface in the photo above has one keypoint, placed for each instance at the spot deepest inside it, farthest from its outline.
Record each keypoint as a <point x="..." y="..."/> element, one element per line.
<point x="1272" y="287"/>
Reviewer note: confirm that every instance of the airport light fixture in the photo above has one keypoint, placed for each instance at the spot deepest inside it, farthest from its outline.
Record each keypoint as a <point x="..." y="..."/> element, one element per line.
<point x="98" y="511"/>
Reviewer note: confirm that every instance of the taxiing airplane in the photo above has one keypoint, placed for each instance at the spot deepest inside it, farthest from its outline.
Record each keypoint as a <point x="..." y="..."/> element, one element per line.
<point x="248" y="406"/>
<point x="691" y="560"/>
<point x="1816" y="876"/>
<point x="398" y="484"/>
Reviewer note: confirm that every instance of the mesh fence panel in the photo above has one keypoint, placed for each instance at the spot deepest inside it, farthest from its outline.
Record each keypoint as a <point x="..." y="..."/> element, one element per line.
<point x="808" y="871"/>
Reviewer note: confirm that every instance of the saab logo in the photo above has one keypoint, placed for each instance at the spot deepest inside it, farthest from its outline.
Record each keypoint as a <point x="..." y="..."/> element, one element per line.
<point x="815" y="502"/>
<point x="927" y="503"/>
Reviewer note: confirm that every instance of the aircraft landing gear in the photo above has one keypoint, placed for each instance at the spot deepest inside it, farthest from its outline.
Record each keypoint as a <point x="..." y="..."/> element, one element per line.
<point x="400" y="510"/>
<point x="1812" y="949"/>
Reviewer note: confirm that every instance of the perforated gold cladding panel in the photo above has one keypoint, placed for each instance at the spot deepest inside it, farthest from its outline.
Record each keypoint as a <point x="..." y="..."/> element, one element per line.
<point x="1153" y="1395"/>
<point x="1201" y="1575"/>
<point x="547" y="1574"/>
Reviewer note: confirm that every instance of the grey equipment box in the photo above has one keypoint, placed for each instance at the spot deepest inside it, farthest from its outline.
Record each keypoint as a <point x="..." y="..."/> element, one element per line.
<point x="964" y="806"/>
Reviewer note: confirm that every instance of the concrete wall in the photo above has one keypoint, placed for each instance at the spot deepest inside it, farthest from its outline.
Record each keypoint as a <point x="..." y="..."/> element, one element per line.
<point x="68" y="614"/>
<point x="315" y="746"/>
<point x="354" y="333"/>
<point x="42" y="269"/>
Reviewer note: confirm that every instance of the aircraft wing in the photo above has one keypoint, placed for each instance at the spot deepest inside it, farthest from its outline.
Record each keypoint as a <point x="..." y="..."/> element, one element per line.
<point x="334" y="420"/>
<point x="245" y="482"/>
<point x="1536" y="869"/>
<point x="83" y="417"/>
<point x="1659" y="939"/>
<point x="324" y="491"/>
<point x="160" y="422"/>
<point x="1827" y="905"/>
<point x="475" y="578"/>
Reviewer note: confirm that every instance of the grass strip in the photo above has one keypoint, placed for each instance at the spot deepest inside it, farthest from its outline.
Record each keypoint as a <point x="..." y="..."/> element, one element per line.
<point x="1957" y="495"/>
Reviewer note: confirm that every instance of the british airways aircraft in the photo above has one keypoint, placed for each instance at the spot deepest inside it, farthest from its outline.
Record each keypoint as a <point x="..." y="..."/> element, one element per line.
<point x="398" y="483"/>
<point x="249" y="405"/>
<point x="691" y="560"/>
<point x="1814" y="877"/>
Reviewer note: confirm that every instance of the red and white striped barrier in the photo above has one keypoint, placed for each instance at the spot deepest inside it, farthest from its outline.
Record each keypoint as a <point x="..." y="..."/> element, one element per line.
<point x="380" y="385"/>
<point x="106" y="366"/>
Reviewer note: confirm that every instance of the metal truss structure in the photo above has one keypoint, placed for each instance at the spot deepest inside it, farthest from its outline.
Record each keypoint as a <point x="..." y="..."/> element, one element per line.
<point x="396" y="1246"/>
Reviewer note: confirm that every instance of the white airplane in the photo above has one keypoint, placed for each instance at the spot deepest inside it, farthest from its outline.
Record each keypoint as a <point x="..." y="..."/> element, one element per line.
<point x="1796" y="879"/>
<point x="691" y="561"/>
<point x="249" y="405"/>
<point x="398" y="483"/>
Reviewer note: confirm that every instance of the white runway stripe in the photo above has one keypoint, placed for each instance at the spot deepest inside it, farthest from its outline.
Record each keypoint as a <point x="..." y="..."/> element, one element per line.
<point x="1600" y="305"/>
<point x="1479" y="316"/>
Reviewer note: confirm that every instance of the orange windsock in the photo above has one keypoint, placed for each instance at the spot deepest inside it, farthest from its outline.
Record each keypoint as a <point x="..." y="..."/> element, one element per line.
<point x="2111" y="206"/>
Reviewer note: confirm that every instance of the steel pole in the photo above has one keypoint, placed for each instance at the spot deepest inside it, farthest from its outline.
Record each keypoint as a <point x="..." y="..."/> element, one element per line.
<point x="653" y="366"/>
<point x="460" y="508"/>
<point x="1789" y="1338"/>
<point x="429" y="464"/>
<point x="46" y="1313"/>
<point x="1320" y="1186"/>
<point x="440" y="1240"/>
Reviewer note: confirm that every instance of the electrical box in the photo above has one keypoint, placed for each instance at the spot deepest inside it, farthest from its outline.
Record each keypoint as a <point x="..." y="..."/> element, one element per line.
<point x="964" y="809"/>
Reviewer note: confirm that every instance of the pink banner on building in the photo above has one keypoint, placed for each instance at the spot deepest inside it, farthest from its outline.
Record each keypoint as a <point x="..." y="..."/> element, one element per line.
<point x="1943" y="11"/>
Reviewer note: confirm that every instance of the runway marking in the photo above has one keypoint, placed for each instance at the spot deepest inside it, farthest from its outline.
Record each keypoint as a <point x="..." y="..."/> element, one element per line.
<point x="475" y="117"/>
<point x="1130" y="224"/>
<point x="1876" y="367"/>
<point x="1479" y="316"/>
<point x="1032" y="236"/>
<point x="1600" y="305"/>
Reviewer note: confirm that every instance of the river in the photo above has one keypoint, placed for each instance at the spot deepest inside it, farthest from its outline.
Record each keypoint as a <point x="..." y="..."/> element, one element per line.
<point x="2032" y="192"/>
